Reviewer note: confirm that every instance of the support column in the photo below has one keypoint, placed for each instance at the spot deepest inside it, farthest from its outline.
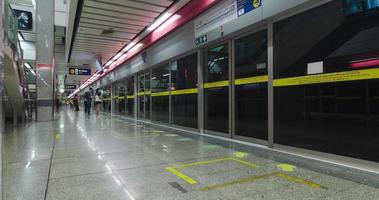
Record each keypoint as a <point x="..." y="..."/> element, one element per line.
<point x="45" y="59"/>
<point x="113" y="92"/>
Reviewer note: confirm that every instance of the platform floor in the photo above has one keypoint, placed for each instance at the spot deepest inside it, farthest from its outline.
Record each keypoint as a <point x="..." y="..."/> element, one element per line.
<point x="80" y="157"/>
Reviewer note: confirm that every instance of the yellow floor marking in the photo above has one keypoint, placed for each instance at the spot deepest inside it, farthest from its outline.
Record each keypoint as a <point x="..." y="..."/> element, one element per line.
<point x="286" y="167"/>
<point x="302" y="181"/>
<point x="239" y="181"/>
<point x="57" y="136"/>
<point x="203" y="163"/>
<point x="245" y="162"/>
<point x="240" y="154"/>
<point x="181" y="175"/>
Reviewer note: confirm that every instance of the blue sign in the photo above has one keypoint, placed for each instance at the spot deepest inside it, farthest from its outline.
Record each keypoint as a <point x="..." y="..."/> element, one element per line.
<point x="83" y="72"/>
<point x="359" y="6"/>
<point x="245" y="6"/>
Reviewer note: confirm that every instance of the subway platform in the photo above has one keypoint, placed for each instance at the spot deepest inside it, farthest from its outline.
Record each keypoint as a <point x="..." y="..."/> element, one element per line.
<point x="108" y="157"/>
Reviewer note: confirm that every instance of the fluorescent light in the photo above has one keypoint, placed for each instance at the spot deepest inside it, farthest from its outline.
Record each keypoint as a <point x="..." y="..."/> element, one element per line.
<point x="129" y="46"/>
<point x="168" y="22"/>
<point x="32" y="71"/>
<point x="27" y="65"/>
<point x="166" y="74"/>
<point x="159" y="21"/>
<point x="136" y="47"/>
<point x="20" y="37"/>
<point x="118" y="56"/>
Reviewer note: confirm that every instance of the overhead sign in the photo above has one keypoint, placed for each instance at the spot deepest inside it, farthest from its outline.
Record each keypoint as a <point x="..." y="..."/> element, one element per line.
<point x="219" y="16"/>
<point x="24" y="19"/>
<point x="70" y="87"/>
<point x="245" y="6"/>
<point x="44" y="65"/>
<point x="76" y="71"/>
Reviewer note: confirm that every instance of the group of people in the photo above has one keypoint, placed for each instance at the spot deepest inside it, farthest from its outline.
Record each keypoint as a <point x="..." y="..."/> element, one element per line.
<point x="88" y="101"/>
<point x="88" y="96"/>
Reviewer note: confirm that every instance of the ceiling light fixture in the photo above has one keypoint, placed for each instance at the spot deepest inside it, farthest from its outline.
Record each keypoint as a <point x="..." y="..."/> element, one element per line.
<point x="159" y="21"/>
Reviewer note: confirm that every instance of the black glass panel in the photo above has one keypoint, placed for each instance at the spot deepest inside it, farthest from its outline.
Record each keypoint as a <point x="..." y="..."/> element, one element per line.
<point x="216" y="100"/>
<point x="251" y="99"/>
<point x="184" y="106"/>
<point x="160" y="80"/>
<point x="130" y="93"/>
<point x="340" y="117"/>
<point x="106" y="95"/>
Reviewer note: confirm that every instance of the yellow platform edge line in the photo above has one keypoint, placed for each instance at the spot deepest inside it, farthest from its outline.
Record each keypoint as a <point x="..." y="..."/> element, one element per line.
<point x="239" y="181"/>
<point x="299" y="180"/>
<point x="202" y="163"/>
<point x="181" y="175"/>
<point x="245" y="162"/>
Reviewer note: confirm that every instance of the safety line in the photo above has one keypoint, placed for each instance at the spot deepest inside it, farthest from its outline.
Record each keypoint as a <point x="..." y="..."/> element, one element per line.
<point x="353" y="75"/>
<point x="299" y="180"/>
<point x="239" y="181"/>
<point x="245" y="162"/>
<point x="251" y="80"/>
<point x="202" y="163"/>
<point x="181" y="175"/>
<point x="185" y="91"/>
<point x="216" y="84"/>
<point x="160" y="94"/>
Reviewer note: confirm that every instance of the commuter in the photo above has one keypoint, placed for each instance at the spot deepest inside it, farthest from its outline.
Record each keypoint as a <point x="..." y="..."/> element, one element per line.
<point x="88" y="101"/>
<point x="98" y="100"/>
<point x="76" y="102"/>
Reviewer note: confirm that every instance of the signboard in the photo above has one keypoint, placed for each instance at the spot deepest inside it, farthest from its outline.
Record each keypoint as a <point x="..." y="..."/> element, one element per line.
<point x="24" y="20"/>
<point x="44" y="65"/>
<point x="81" y="72"/>
<point x="70" y="87"/>
<point x="352" y="7"/>
<point x="201" y="40"/>
<point x="245" y="6"/>
<point x="219" y="16"/>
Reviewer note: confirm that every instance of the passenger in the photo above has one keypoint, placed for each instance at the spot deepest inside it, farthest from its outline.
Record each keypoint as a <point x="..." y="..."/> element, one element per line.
<point x="98" y="100"/>
<point x="88" y="101"/>
<point x="76" y="102"/>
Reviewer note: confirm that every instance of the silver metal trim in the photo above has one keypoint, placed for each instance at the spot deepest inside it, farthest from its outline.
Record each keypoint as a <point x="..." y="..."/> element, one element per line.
<point x="270" y="86"/>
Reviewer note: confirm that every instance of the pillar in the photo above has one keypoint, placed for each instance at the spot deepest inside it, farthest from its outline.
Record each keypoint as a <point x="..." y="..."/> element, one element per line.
<point x="45" y="59"/>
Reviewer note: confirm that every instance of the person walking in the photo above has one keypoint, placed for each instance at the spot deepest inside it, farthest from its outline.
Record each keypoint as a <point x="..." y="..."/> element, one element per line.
<point x="88" y="101"/>
<point x="98" y="100"/>
<point x="76" y="103"/>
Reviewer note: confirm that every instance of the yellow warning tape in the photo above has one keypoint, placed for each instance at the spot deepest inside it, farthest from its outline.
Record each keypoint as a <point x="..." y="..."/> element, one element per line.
<point x="239" y="181"/>
<point x="202" y="163"/>
<point x="107" y="99"/>
<point x="328" y="77"/>
<point x="121" y="98"/>
<point x="130" y="97"/>
<point x="299" y="180"/>
<point x="185" y="91"/>
<point x="143" y="93"/>
<point x="251" y="80"/>
<point x="160" y="94"/>
<point x="216" y="84"/>
<point x="245" y="162"/>
<point x="181" y="175"/>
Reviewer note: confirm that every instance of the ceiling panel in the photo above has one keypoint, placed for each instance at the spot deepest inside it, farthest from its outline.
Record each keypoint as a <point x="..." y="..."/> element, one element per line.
<point x="135" y="4"/>
<point x="118" y="8"/>
<point x="113" y="19"/>
<point x="118" y="14"/>
<point x="110" y="23"/>
<point x="105" y="26"/>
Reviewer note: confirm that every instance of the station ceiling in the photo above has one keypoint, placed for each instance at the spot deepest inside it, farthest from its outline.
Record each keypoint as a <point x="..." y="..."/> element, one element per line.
<point x="106" y="26"/>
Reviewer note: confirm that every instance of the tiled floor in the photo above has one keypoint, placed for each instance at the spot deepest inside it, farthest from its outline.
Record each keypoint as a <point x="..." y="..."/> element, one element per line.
<point x="80" y="157"/>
